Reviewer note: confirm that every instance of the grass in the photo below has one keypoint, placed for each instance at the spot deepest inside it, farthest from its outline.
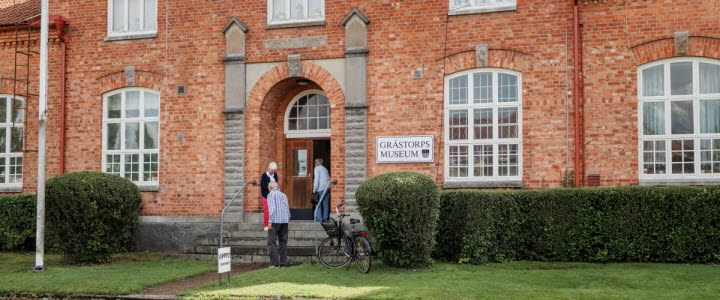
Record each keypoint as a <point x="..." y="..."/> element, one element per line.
<point x="127" y="274"/>
<point x="516" y="280"/>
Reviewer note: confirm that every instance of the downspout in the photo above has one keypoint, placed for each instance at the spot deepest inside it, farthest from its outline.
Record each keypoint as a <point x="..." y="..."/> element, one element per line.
<point x="60" y="25"/>
<point x="579" y="166"/>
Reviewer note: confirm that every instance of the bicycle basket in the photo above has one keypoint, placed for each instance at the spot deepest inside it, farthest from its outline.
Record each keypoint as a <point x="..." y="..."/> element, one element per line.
<point x="331" y="228"/>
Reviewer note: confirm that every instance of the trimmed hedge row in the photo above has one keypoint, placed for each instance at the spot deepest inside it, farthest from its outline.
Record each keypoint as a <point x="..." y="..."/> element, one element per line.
<point x="620" y="224"/>
<point x="17" y="222"/>
<point x="400" y="211"/>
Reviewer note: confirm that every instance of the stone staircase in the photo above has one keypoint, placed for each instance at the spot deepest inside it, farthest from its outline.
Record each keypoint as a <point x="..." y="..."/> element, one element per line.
<point x="248" y="243"/>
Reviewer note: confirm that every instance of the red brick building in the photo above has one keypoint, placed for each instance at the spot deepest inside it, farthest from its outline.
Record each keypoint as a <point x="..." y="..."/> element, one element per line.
<point x="190" y="99"/>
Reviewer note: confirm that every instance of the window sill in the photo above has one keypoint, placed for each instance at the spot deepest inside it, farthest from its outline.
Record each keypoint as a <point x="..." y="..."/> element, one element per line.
<point x="481" y="10"/>
<point x="295" y="24"/>
<point x="11" y="189"/>
<point x="135" y="36"/>
<point x="679" y="181"/>
<point x="149" y="188"/>
<point x="482" y="184"/>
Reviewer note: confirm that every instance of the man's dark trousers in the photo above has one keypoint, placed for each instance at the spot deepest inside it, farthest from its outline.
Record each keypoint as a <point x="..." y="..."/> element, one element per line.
<point x="279" y="231"/>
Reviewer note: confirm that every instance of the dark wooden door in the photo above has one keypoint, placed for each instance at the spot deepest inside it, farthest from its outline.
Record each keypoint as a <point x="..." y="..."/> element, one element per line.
<point x="298" y="174"/>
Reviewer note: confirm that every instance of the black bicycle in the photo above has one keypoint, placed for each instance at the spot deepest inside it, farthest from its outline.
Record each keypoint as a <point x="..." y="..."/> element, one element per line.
<point x="339" y="249"/>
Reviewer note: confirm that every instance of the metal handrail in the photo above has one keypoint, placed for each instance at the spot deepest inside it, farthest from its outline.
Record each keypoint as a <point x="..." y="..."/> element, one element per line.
<point x="318" y="206"/>
<point x="222" y="215"/>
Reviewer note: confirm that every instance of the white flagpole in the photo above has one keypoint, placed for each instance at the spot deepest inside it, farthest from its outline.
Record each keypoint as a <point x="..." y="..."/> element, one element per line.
<point x="40" y="234"/>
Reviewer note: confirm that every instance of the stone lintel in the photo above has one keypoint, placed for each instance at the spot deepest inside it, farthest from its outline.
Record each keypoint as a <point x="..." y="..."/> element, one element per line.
<point x="129" y="76"/>
<point x="294" y="65"/>
<point x="481" y="55"/>
<point x="682" y="43"/>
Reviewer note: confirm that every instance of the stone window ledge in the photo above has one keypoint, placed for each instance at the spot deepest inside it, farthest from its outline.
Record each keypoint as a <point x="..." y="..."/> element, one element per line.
<point x="295" y="24"/>
<point x="127" y="37"/>
<point x="482" y="184"/>
<point x="679" y="181"/>
<point x="11" y="189"/>
<point x="149" y="188"/>
<point x="481" y="10"/>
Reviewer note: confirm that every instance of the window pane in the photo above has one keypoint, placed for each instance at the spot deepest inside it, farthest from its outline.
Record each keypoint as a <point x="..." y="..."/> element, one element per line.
<point x="3" y="110"/>
<point x="150" y="167"/>
<point x="508" y="160"/>
<point x="458" y="90"/>
<point x="152" y="105"/>
<point x="118" y="16"/>
<point x="16" y="139"/>
<point x="315" y="8"/>
<point x="507" y="123"/>
<point x="323" y="123"/>
<point x="654" y="81"/>
<point x="312" y="124"/>
<point x="300" y="163"/>
<point x="18" y="111"/>
<point x="710" y="156"/>
<point x="458" y="161"/>
<point x="3" y="137"/>
<point x="653" y="118"/>
<point x="113" y="136"/>
<point x="132" y="104"/>
<point x="132" y="135"/>
<point x="132" y="167"/>
<point x="325" y="110"/>
<point x="682" y="117"/>
<point x="508" y="88"/>
<point x="302" y="124"/>
<point x="683" y="157"/>
<point x="150" y="14"/>
<point x="483" y="87"/>
<point x="135" y="8"/>
<point x="458" y="124"/>
<point x="279" y="10"/>
<point x="15" y="174"/>
<point x="709" y="116"/>
<point x="709" y="78"/>
<point x="2" y="170"/>
<point x="152" y="140"/>
<point x="112" y="164"/>
<point x="483" y="123"/>
<point x="297" y="9"/>
<point x="681" y="78"/>
<point x="654" y="157"/>
<point x="483" y="160"/>
<point x="114" y="106"/>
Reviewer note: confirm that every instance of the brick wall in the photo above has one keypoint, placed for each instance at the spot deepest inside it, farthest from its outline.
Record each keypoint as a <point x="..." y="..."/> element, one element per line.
<point x="403" y="36"/>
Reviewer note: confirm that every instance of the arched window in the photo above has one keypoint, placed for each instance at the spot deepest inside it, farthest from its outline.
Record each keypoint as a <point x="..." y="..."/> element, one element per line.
<point x="12" y="119"/>
<point x="483" y="125"/>
<point x="131" y="134"/>
<point x="308" y="115"/>
<point x="679" y="119"/>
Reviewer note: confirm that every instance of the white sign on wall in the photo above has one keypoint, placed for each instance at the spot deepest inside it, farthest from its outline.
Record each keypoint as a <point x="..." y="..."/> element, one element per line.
<point x="405" y="149"/>
<point x="224" y="260"/>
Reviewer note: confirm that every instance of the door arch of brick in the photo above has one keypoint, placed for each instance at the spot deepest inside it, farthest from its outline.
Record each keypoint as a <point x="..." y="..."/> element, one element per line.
<point x="264" y="125"/>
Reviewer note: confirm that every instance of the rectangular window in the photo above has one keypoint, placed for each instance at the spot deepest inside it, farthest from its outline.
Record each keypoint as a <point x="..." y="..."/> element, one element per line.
<point x="131" y="135"/>
<point x="683" y="156"/>
<point x="654" y="157"/>
<point x="12" y="118"/>
<point x="470" y="4"/>
<point x="483" y="135"/>
<point x="132" y="17"/>
<point x="710" y="156"/>
<point x="289" y="11"/>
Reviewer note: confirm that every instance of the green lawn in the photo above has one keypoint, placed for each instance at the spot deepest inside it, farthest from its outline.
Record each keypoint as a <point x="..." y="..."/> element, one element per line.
<point x="127" y="274"/>
<point x="517" y="280"/>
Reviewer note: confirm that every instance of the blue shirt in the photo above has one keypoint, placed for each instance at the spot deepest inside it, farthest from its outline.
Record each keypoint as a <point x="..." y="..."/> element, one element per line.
<point x="322" y="179"/>
<point x="278" y="207"/>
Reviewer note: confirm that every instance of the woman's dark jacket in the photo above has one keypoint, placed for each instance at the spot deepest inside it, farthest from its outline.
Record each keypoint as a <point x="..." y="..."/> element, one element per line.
<point x="264" y="181"/>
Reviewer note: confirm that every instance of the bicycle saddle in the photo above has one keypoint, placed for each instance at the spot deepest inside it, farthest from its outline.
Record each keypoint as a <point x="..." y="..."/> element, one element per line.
<point x="354" y="221"/>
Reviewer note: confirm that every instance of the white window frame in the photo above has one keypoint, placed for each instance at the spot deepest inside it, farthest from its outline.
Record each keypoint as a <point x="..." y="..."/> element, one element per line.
<point x="495" y="141"/>
<point x="473" y="7"/>
<point x="126" y="32"/>
<point x="122" y="120"/>
<point x="667" y="99"/>
<point x="308" y="132"/>
<point x="7" y="153"/>
<point x="271" y="21"/>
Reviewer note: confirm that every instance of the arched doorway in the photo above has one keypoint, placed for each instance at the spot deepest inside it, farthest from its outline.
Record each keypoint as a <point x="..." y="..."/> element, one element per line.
<point x="307" y="130"/>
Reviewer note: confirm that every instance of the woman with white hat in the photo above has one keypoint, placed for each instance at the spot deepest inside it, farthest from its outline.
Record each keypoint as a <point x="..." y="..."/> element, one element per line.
<point x="268" y="176"/>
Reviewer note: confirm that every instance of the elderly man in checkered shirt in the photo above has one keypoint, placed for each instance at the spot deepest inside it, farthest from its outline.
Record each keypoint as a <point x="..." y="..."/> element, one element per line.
<point x="279" y="212"/>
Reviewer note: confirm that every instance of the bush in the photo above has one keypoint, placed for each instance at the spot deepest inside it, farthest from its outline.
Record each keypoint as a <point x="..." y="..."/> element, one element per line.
<point x="400" y="210"/>
<point x="620" y="224"/>
<point x="91" y="215"/>
<point x="17" y="223"/>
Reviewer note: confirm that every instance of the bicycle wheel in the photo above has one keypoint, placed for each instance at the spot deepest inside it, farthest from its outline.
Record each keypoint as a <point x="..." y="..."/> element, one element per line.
<point x="363" y="254"/>
<point x="333" y="253"/>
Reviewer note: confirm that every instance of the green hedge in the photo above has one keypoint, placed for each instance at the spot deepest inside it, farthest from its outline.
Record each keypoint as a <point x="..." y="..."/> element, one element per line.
<point x="91" y="215"/>
<point x="400" y="210"/>
<point x="17" y="223"/>
<point x="620" y="224"/>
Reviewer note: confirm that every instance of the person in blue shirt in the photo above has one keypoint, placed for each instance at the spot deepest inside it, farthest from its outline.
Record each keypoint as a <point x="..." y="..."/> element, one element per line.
<point x="321" y="186"/>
